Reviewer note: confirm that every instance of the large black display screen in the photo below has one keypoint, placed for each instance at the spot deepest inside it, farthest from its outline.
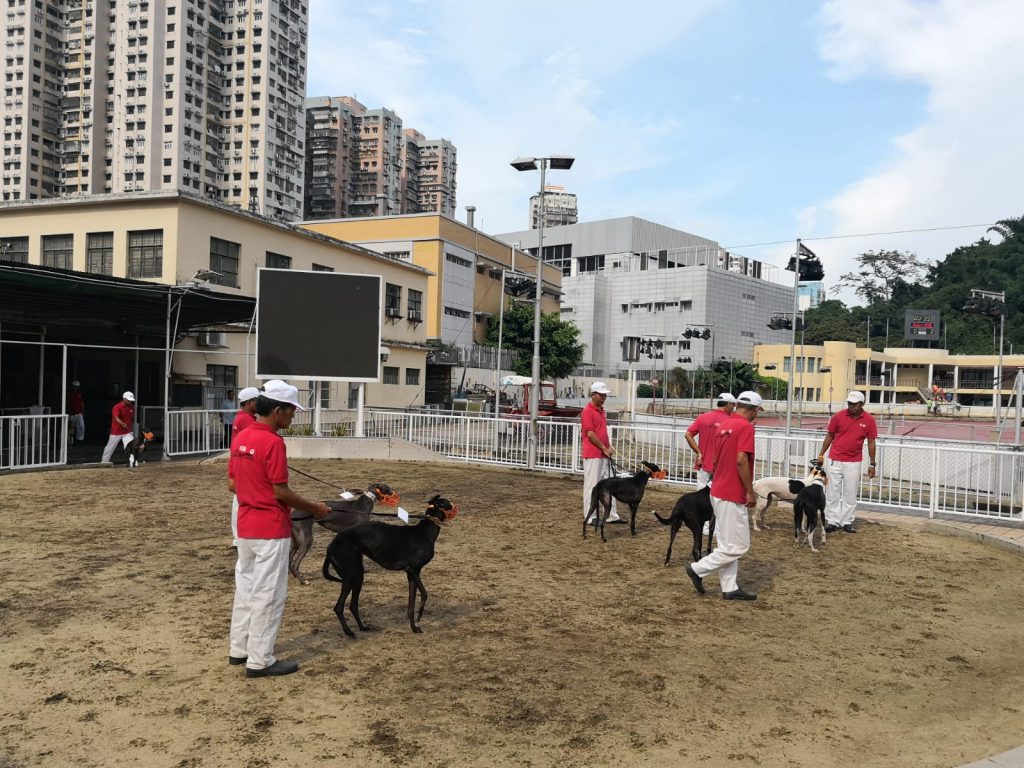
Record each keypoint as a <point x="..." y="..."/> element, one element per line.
<point x="318" y="325"/>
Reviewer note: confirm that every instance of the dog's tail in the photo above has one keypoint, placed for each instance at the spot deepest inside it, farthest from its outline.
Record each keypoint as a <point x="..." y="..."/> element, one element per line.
<point x="328" y="562"/>
<point x="664" y="520"/>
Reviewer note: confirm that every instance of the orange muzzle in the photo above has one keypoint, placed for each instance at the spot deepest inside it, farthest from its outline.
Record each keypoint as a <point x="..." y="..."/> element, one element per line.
<point x="389" y="499"/>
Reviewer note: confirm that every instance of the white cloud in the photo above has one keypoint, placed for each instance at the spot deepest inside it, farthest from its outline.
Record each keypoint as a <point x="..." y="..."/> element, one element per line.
<point x="961" y="165"/>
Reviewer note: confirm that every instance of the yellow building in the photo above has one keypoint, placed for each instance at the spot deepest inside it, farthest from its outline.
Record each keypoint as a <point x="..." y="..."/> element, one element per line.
<point x="464" y="289"/>
<point x="56" y="252"/>
<point x="897" y="375"/>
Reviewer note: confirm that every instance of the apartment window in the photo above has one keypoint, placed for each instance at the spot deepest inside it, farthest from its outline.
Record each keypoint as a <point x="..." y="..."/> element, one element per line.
<point x="454" y="312"/>
<point x="322" y="268"/>
<point x="390" y="375"/>
<point x="414" y="305"/>
<point x="590" y="263"/>
<point x="146" y="253"/>
<point x="458" y="260"/>
<point x="412" y="376"/>
<point x="224" y="376"/>
<point x="14" y="249"/>
<point x="100" y="253"/>
<point x="393" y="300"/>
<point x="224" y="259"/>
<point x="278" y="261"/>
<point x="58" y="251"/>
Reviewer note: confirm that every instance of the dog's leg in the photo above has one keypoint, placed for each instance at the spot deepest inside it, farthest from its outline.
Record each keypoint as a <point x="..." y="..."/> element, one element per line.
<point x="632" y="517"/>
<point x="593" y="511"/>
<point x="415" y="585"/>
<point x="302" y="540"/>
<point x="357" y="576"/>
<point x="698" y="541"/>
<point x="797" y="519"/>
<point x="821" y="523"/>
<point x="676" y="525"/>
<point x="339" y="607"/>
<point x="812" y="523"/>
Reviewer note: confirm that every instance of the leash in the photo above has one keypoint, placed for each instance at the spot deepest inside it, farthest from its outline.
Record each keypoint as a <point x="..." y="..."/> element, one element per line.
<point x="314" y="477"/>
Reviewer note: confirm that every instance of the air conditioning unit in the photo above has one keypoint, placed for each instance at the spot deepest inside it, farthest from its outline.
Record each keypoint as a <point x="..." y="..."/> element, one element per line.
<point x="393" y="312"/>
<point x="212" y="339"/>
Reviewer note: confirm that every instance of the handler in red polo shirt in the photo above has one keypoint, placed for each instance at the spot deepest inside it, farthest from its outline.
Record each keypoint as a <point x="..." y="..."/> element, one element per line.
<point x="258" y="474"/>
<point x="847" y="432"/>
<point x="596" y="448"/>
<point x="732" y="494"/>
<point x="243" y="419"/>
<point x="704" y="427"/>
<point x="122" y="416"/>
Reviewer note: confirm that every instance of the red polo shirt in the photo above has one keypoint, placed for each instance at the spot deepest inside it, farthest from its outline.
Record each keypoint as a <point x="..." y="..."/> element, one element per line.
<point x="76" y="402"/>
<point x="258" y="462"/>
<point x="849" y="434"/>
<point x="735" y="436"/>
<point x="242" y="420"/>
<point x="704" y="427"/>
<point x="594" y="419"/>
<point x="125" y="413"/>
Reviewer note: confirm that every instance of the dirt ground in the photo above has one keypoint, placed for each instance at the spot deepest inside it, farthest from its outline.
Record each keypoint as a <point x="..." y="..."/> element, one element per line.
<point x="887" y="648"/>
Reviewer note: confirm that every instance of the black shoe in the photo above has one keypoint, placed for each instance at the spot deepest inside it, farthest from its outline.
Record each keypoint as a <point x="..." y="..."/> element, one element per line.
<point x="620" y="521"/>
<point x="849" y="528"/>
<point x="830" y="527"/>
<point x="234" y="661"/>
<point x="738" y="594"/>
<point x="277" y="668"/>
<point x="698" y="584"/>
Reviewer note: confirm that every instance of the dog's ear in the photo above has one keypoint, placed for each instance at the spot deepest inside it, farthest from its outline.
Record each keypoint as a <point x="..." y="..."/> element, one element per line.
<point x="795" y="486"/>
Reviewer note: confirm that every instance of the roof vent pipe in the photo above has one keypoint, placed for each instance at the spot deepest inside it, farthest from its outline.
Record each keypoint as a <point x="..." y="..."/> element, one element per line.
<point x="470" y="212"/>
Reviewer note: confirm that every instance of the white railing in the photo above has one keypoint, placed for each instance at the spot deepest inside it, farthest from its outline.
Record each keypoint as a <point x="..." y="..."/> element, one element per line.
<point x="191" y="432"/>
<point x="33" y="441"/>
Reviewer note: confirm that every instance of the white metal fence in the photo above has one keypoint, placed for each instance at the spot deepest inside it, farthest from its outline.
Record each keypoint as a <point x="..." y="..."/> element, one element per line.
<point x="33" y="441"/>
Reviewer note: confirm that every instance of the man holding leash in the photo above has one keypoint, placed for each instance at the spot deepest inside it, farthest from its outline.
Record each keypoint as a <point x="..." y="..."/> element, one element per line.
<point x="847" y="432"/>
<point x="122" y="416"/>
<point x="732" y="495"/>
<point x="597" y="449"/>
<point x="243" y="419"/>
<point x="704" y="427"/>
<point x="258" y="474"/>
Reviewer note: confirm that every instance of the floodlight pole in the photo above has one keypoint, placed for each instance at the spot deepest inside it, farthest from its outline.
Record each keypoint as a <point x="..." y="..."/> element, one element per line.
<point x="792" y="351"/>
<point x="531" y="448"/>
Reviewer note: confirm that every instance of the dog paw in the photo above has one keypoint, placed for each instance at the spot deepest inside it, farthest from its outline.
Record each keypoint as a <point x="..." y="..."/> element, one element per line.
<point x="349" y="632"/>
<point x="417" y="630"/>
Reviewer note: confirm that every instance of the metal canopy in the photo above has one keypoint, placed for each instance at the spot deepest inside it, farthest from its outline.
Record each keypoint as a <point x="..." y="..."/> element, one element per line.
<point x="59" y="297"/>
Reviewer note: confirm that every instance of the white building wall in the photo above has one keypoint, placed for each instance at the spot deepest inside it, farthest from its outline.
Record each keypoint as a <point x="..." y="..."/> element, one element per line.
<point x="459" y="279"/>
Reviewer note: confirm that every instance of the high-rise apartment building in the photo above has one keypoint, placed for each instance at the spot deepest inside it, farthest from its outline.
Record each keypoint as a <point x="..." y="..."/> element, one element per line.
<point x="360" y="162"/>
<point x="199" y="95"/>
<point x="559" y="208"/>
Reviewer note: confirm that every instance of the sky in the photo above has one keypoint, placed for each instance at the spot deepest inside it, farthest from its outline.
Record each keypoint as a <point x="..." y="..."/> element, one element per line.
<point x="747" y="122"/>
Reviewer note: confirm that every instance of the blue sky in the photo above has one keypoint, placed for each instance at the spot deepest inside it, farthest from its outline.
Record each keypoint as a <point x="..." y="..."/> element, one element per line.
<point x="739" y="120"/>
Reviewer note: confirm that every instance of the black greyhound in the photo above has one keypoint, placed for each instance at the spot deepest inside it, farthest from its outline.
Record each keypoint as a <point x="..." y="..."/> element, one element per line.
<point x="692" y="510"/>
<point x="809" y="505"/>
<point x="135" y="447"/>
<point x="395" y="547"/>
<point x="344" y="514"/>
<point x="628" y="490"/>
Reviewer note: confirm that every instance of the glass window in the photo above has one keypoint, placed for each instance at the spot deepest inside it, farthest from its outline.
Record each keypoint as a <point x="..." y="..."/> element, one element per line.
<point x="322" y="268"/>
<point x="412" y="376"/>
<point x="58" y="251"/>
<point x="278" y="261"/>
<point x="146" y="253"/>
<point x="415" y="305"/>
<point x="390" y="374"/>
<point x="224" y="260"/>
<point x="14" y="249"/>
<point x="100" y="253"/>
<point x="393" y="300"/>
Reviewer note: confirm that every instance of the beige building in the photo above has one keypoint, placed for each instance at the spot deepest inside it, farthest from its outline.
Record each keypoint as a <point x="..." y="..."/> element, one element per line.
<point x="559" y="208"/>
<point x="360" y="162"/>
<point x="167" y="239"/>
<point x="897" y="375"/>
<point x="199" y="95"/>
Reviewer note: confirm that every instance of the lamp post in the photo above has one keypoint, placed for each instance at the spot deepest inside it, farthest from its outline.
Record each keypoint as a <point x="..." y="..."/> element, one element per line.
<point x="707" y="333"/>
<point x="501" y="328"/>
<point x="775" y="386"/>
<point x="555" y="162"/>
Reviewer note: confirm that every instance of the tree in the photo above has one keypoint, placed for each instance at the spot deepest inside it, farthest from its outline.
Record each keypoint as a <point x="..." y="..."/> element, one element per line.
<point x="560" y="349"/>
<point x="881" y="273"/>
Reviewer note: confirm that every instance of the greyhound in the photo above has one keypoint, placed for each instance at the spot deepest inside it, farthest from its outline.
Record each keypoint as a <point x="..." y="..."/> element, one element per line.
<point x="395" y="547"/>
<point x="810" y="506"/>
<point x="343" y="515"/>
<point x="628" y="490"/>
<point x="692" y="510"/>
<point x="136" y="446"/>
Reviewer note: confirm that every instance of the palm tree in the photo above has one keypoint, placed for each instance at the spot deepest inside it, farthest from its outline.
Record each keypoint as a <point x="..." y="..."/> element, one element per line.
<point x="1008" y="228"/>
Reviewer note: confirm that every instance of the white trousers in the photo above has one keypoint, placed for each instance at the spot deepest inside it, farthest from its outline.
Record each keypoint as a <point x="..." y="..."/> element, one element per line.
<point x="841" y="491"/>
<point x="77" y="420"/>
<point x="595" y="470"/>
<point x="732" y="540"/>
<point x="234" y="519"/>
<point x="112" y="441"/>
<point x="261" y="587"/>
<point x="703" y="479"/>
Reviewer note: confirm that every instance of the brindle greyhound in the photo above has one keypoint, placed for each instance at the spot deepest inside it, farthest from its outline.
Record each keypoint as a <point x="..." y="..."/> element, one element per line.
<point x="344" y="514"/>
<point x="395" y="547"/>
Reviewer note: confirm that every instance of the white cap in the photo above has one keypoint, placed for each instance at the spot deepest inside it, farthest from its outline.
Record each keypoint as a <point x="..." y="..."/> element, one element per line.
<point x="600" y="387"/>
<point x="282" y="392"/>
<point x="247" y="394"/>
<point x="749" y="398"/>
<point x="128" y="396"/>
<point x="855" y="397"/>
<point x="75" y="383"/>
<point x="725" y="397"/>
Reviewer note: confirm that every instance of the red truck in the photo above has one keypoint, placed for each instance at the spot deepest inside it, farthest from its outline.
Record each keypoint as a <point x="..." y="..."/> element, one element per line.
<point x="515" y="399"/>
